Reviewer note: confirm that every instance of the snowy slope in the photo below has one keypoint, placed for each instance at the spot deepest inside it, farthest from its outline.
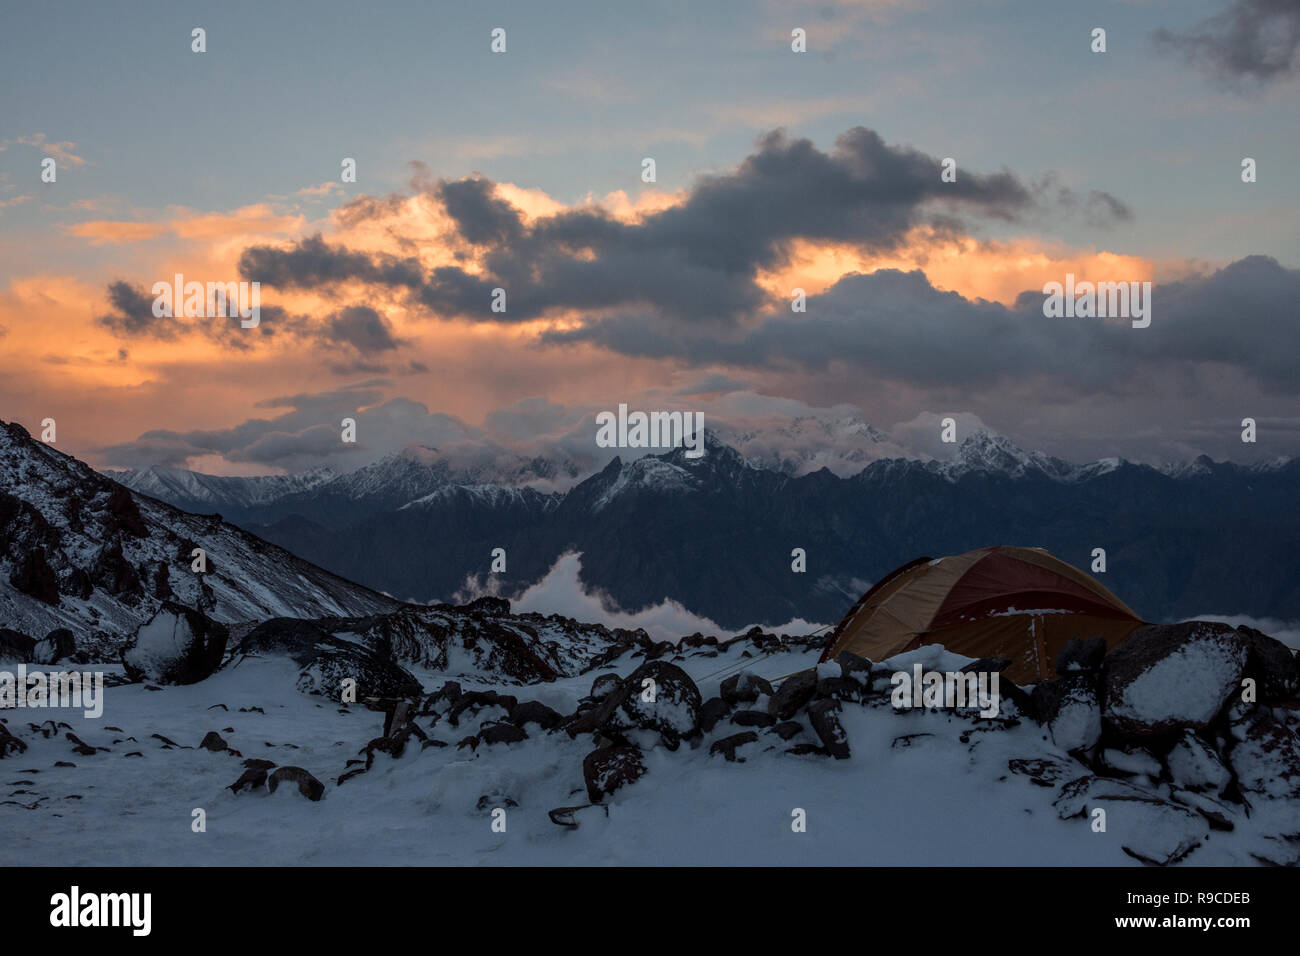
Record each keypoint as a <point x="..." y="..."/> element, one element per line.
<point x="79" y="551"/>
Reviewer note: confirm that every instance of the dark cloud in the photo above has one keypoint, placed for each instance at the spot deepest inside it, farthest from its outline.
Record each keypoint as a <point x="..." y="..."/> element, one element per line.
<point x="693" y="262"/>
<point x="361" y="328"/>
<point x="895" y="326"/>
<point x="1251" y="42"/>
<point x="132" y="315"/>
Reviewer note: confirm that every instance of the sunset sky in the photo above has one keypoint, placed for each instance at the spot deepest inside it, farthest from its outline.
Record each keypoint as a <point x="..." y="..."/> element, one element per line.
<point x="522" y="170"/>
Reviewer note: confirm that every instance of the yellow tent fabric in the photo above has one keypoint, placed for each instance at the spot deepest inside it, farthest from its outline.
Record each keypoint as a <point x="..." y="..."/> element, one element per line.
<point x="1023" y="604"/>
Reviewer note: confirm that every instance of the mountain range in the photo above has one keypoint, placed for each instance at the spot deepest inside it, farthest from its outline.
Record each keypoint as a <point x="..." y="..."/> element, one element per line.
<point x="717" y="533"/>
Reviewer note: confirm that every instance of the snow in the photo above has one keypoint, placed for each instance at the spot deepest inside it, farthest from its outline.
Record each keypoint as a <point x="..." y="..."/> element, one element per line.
<point x="160" y="642"/>
<point x="937" y="801"/>
<point x="1167" y="691"/>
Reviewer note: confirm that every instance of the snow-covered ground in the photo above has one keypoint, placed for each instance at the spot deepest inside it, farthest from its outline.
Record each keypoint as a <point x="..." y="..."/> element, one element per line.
<point x="913" y="792"/>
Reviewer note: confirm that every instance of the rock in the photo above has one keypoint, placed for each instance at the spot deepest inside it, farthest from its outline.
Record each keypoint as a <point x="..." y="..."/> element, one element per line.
<point x="1079" y="655"/>
<point x="986" y="665"/>
<point x="326" y="661"/>
<point x="534" y="711"/>
<point x="212" y="741"/>
<point x="712" y="711"/>
<point x="788" y="729"/>
<point x="795" y="691"/>
<point x="727" y="745"/>
<point x="9" y="744"/>
<point x="54" y="647"/>
<point x="1132" y="761"/>
<point x="752" y="718"/>
<point x="1168" y="677"/>
<point x="838" y="688"/>
<point x="488" y="606"/>
<point x="178" y="645"/>
<point x="1070" y="708"/>
<point x="15" y="647"/>
<point x="823" y="715"/>
<point x="33" y="576"/>
<point x="1149" y="829"/>
<point x="250" y="779"/>
<point x="476" y="700"/>
<point x="1195" y="765"/>
<point x="855" y="668"/>
<point x="1270" y="663"/>
<point x="1265" y="757"/>
<point x="609" y="768"/>
<point x="471" y="742"/>
<point x="1009" y="690"/>
<point x="308" y="786"/>
<point x="123" y="513"/>
<point x="501" y="733"/>
<point x="674" y="712"/>
<point x="744" y="688"/>
<point x="255" y="763"/>
<point x="449" y="692"/>
<point x="604" y="685"/>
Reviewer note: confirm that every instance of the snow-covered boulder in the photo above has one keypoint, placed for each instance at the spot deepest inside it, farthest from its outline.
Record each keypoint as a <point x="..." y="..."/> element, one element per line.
<point x="178" y="645"/>
<point x="1167" y="677"/>
<point x="1070" y="708"/>
<point x="326" y="661"/>
<point x="1195" y="765"/>
<point x="1270" y="663"/>
<point x="55" y="646"/>
<point x="673" y="712"/>
<point x="1265" y="757"/>
<point x="609" y="768"/>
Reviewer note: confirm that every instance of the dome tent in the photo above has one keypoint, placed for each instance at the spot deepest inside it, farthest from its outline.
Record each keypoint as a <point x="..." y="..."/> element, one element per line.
<point x="1022" y="604"/>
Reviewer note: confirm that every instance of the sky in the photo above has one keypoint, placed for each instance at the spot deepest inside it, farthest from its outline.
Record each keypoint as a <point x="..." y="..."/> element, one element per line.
<point x="523" y="170"/>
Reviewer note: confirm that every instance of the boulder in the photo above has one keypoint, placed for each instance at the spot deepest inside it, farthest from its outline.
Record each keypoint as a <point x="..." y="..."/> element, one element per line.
<point x="744" y="688"/>
<point x="1270" y="663"/>
<point x="1080" y="655"/>
<point x="604" y="685"/>
<point x="1195" y="765"/>
<point x="250" y="779"/>
<point x="326" y="661"/>
<point x="502" y="732"/>
<point x="824" y="717"/>
<point x="752" y="718"/>
<point x="609" y="768"/>
<point x="795" y="691"/>
<point x="788" y="729"/>
<point x="855" y="668"/>
<point x="534" y="711"/>
<point x="712" y="711"/>
<point x="54" y="647"/>
<point x="308" y="786"/>
<point x="674" y="711"/>
<point x="727" y="746"/>
<point x="1070" y="708"/>
<point x="178" y="645"/>
<point x="1265" y="757"/>
<point x="1168" y="677"/>
<point x="476" y="700"/>
<point x="9" y="743"/>
<point x="212" y="741"/>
